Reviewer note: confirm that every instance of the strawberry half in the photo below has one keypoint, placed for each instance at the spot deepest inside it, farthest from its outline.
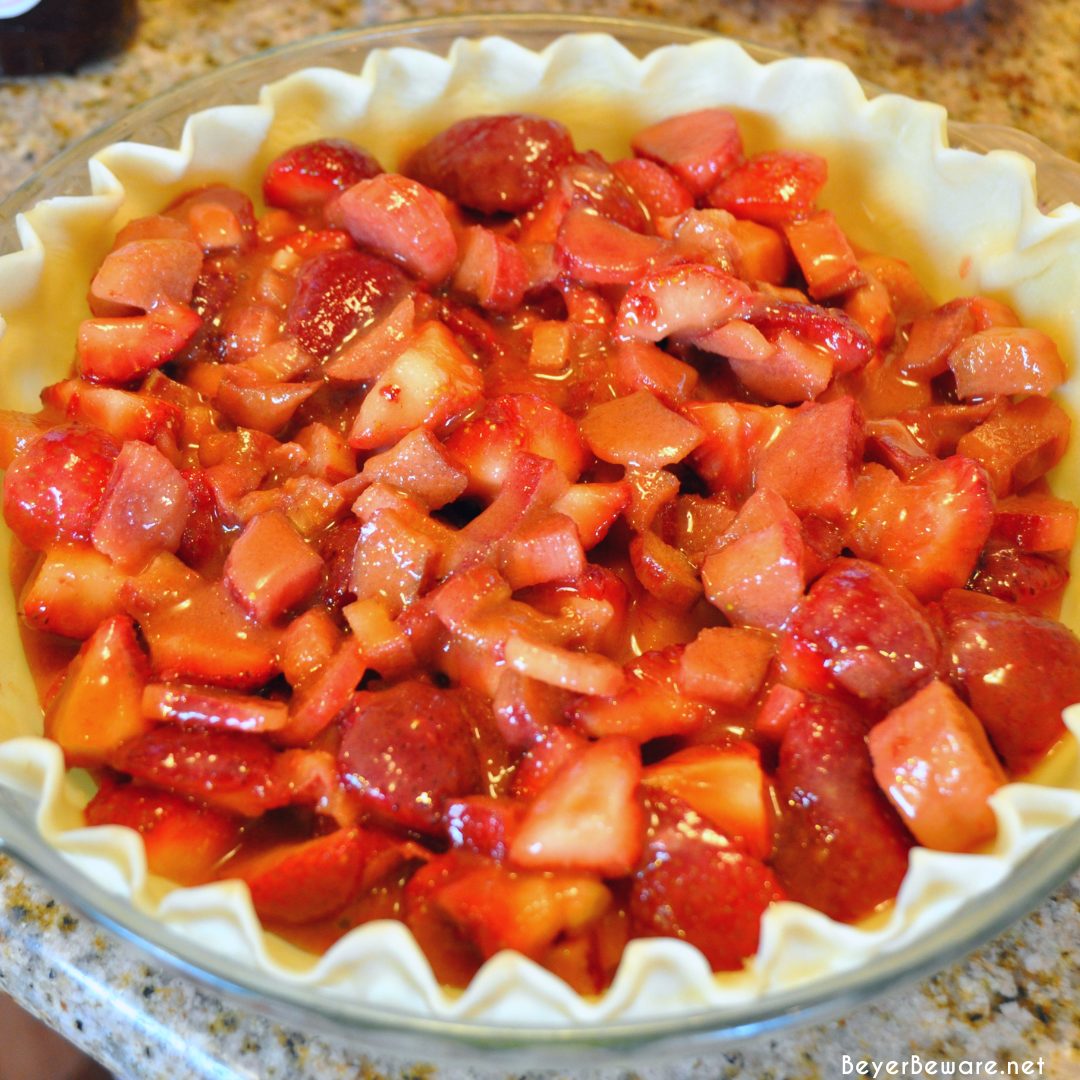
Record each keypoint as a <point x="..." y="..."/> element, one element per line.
<point x="311" y="174"/>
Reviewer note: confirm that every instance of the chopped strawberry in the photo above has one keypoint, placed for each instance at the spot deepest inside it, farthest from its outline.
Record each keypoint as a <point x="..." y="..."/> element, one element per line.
<point x="525" y="709"/>
<point x="699" y="147"/>
<point x="859" y="630"/>
<point x="593" y="508"/>
<point x="485" y="443"/>
<point x="339" y="293"/>
<point x="824" y="255"/>
<point x="427" y="385"/>
<point x="201" y="707"/>
<point x="483" y="825"/>
<point x="726" y="665"/>
<point x="324" y="695"/>
<point x="401" y="220"/>
<point x="184" y="842"/>
<point x="735" y="435"/>
<point x="1006" y="360"/>
<point x="270" y="568"/>
<point x="637" y="365"/>
<point x="494" y="164"/>
<point x="72" y="588"/>
<point x="658" y="190"/>
<point x="773" y="187"/>
<point x="1018" y="443"/>
<point x="638" y="430"/>
<point x="311" y="174"/>
<point x="933" y="761"/>
<point x="793" y="371"/>
<point x="394" y="561"/>
<point x="145" y="509"/>
<point x="589" y="183"/>
<point x="598" y="251"/>
<point x="221" y="217"/>
<point x="120" y="413"/>
<point x="840" y="846"/>
<point x="405" y="751"/>
<point x="144" y="273"/>
<point x="1036" y="522"/>
<point x="588" y="817"/>
<point x="119" y="350"/>
<point x="779" y="705"/>
<point x="689" y="299"/>
<point x="692" y="884"/>
<point x="993" y="653"/>
<point x="1032" y="582"/>
<point x="54" y="488"/>
<point x="827" y="328"/>
<point x="99" y="704"/>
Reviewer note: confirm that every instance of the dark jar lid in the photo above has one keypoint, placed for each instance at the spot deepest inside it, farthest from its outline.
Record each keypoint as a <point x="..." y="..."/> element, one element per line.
<point x="60" y="35"/>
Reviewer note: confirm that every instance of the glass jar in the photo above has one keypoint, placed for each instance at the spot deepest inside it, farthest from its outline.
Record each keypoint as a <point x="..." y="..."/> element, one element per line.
<point x="38" y="36"/>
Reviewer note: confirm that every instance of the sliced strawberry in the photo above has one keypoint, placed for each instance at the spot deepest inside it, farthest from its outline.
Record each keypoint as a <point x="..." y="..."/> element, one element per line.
<point x="1032" y="582"/>
<point x="993" y="653"/>
<point x="483" y="825"/>
<point x="658" y="190"/>
<point x="688" y="299"/>
<point x="772" y="187"/>
<point x="324" y="696"/>
<point x="638" y="430"/>
<point x="1006" y="360"/>
<point x="699" y="147"/>
<point x="637" y="365"/>
<point x="664" y="571"/>
<point x="200" y="707"/>
<point x="427" y="385"/>
<point x="339" y="293"/>
<point x="485" y="443"/>
<point x="494" y="164"/>
<point x="735" y="435"/>
<point x="526" y="710"/>
<point x="71" y="590"/>
<point x="408" y="749"/>
<point x="53" y="489"/>
<point x="858" y="630"/>
<point x="933" y="761"/>
<point x="588" y="817"/>
<point x="119" y="350"/>
<point x="1018" y="443"/>
<point x="827" y="328"/>
<point x="311" y="174"/>
<point x="792" y="372"/>
<point x="589" y="183"/>
<point x="928" y="530"/>
<point x="145" y="509"/>
<point x="120" y="413"/>
<point x="401" y="220"/>
<point x="1036" y="522"/>
<point x="726" y="665"/>
<point x="839" y="846"/>
<point x="814" y="460"/>
<point x="546" y="550"/>
<point x="598" y="251"/>
<point x="692" y="884"/>
<point x="98" y="706"/>
<point x="270" y="568"/>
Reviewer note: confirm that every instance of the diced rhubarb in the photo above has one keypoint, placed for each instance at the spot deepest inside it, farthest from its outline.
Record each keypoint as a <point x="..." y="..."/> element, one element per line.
<point x="548" y="550"/>
<point x="491" y="270"/>
<point x="638" y="430"/>
<point x="726" y="786"/>
<point x="589" y="816"/>
<point x="824" y="255"/>
<point x="933" y="761"/>
<point x="699" y="147"/>
<point x="651" y="490"/>
<point x="121" y="349"/>
<point x="772" y="187"/>
<point x="324" y="695"/>
<point x="993" y="653"/>
<point x="664" y="570"/>
<point x="735" y="435"/>
<point x="307" y="644"/>
<point x="145" y="509"/>
<point x="98" y="707"/>
<point x="1006" y="360"/>
<point x="598" y="251"/>
<point x="200" y="707"/>
<point x="419" y="465"/>
<point x="221" y="217"/>
<point x="427" y="385"/>
<point x="71" y="590"/>
<point x="267" y="408"/>
<point x="637" y="365"/>
<point x="401" y="220"/>
<point x="583" y="673"/>
<point x="688" y="299"/>
<point x="593" y="508"/>
<point x="270" y="568"/>
<point x="382" y="643"/>
<point x="142" y="274"/>
<point x="393" y="562"/>
<point x="840" y="846"/>
<point x="726" y="665"/>
<point x="1019" y="443"/>
<point x="184" y="842"/>
<point x="859" y="630"/>
<point x="1036" y="522"/>
<point x="793" y="371"/>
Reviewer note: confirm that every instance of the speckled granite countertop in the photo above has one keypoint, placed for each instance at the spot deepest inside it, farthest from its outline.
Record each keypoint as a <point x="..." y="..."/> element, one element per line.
<point x="1018" y="999"/>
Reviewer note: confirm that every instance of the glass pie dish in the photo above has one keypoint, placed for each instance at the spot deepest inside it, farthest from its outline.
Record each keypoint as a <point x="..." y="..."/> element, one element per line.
<point x="896" y="187"/>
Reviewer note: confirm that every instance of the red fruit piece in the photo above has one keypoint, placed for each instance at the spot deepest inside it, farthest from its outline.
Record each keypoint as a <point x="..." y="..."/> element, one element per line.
<point x="53" y="490"/>
<point x="826" y="328"/>
<point x="590" y="183"/>
<point x="145" y="509"/>
<point x="494" y="164"/>
<point x="483" y="825"/>
<point x="139" y="275"/>
<point x="1032" y="582"/>
<point x="484" y="444"/>
<point x="773" y="187"/>
<point x="814" y="460"/>
<point x="406" y="750"/>
<point x="1017" y="671"/>
<point x="638" y="430"/>
<point x="693" y="885"/>
<point x="589" y="816"/>
<point x="1006" y="360"/>
<point x="1036" y="522"/>
<point x="492" y="270"/>
<point x="726" y="665"/>
<point x="311" y="174"/>
<point x="202" y="707"/>
<point x="598" y="251"/>
<point x="839" y="845"/>
<point x="658" y="190"/>
<point x="119" y="350"/>
<point x="933" y="761"/>
<point x="664" y="571"/>
<point x="859" y="630"/>
<point x="184" y="842"/>
<point x="98" y="706"/>
<point x="120" y="413"/>
<point x="71" y="590"/>
<point x="226" y="770"/>
<point x="338" y="294"/>
<point x="824" y="255"/>
<point x="928" y="530"/>
<point x="400" y="220"/>
<point x="270" y="567"/>
<point x="700" y="147"/>
<point x="309" y="880"/>
<point x="221" y="217"/>
<point x="568" y="669"/>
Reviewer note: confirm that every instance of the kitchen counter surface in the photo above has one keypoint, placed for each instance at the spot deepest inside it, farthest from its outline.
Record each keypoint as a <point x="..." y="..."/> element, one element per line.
<point x="1017" y="999"/>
